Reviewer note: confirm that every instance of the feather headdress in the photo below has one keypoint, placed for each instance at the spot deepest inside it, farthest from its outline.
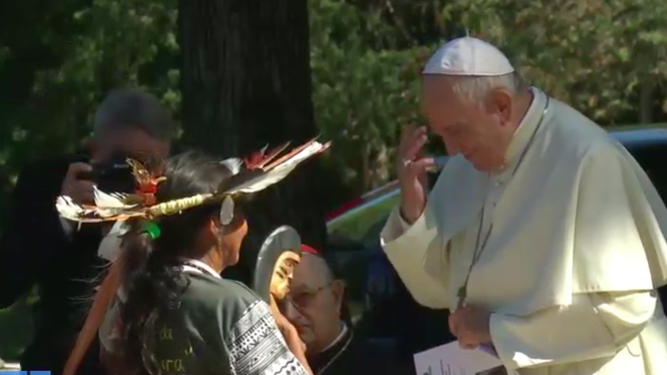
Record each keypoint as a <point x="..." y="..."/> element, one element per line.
<point x="250" y="175"/>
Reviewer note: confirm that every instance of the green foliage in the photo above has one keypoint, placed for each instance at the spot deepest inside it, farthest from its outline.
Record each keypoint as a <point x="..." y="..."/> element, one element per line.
<point x="366" y="55"/>
<point x="55" y="75"/>
<point x="366" y="58"/>
<point x="108" y="44"/>
<point x="595" y="55"/>
<point x="126" y="43"/>
<point x="363" y="91"/>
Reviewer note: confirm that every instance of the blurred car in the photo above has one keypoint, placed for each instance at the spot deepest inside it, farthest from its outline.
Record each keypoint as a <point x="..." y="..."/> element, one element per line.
<point x="383" y="306"/>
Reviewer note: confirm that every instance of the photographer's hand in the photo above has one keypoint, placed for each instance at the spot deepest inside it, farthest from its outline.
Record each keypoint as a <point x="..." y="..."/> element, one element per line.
<point x="80" y="190"/>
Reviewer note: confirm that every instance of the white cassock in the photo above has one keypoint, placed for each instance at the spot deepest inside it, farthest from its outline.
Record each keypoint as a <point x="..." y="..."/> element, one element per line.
<point x="575" y="251"/>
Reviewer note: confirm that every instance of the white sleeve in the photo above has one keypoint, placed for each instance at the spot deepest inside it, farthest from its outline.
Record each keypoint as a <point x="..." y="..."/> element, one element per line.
<point x="593" y="326"/>
<point x="407" y="247"/>
<point x="404" y="224"/>
<point x="255" y="345"/>
<point x="68" y="226"/>
<point x="395" y="226"/>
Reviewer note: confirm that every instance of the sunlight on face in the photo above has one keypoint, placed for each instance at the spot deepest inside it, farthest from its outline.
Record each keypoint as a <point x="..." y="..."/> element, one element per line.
<point x="315" y="307"/>
<point x="465" y="126"/>
<point x="283" y="272"/>
<point x="232" y="240"/>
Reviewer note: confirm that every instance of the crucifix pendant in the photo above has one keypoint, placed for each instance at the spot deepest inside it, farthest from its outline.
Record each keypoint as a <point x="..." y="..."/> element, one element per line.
<point x="461" y="294"/>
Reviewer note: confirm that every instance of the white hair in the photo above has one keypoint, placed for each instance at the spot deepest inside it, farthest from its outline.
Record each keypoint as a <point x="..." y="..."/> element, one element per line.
<point x="321" y="266"/>
<point x="476" y="88"/>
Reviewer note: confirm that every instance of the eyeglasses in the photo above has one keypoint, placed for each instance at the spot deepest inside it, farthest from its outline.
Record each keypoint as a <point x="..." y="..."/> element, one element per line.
<point x="305" y="298"/>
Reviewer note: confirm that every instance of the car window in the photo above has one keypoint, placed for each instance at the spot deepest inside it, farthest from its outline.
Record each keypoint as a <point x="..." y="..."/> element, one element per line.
<point x="367" y="273"/>
<point x="355" y="223"/>
<point x="350" y="261"/>
<point x="350" y="246"/>
<point x="651" y="158"/>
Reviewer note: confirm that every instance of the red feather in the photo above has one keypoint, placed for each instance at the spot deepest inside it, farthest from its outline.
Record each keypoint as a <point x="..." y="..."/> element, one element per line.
<point x="289" y="155"/>
<point x="260" y="158"/>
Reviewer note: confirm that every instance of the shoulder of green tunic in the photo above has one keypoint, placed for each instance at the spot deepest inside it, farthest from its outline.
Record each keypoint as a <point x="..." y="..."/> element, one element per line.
<point x="236" y="326"/>
<point x="193" y="334"/>
<point x="227" y="299"/>
<point x="213" y="288"/>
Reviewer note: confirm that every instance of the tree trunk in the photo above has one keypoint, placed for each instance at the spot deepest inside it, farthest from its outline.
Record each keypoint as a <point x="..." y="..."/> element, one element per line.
<point x="246" y="82"/>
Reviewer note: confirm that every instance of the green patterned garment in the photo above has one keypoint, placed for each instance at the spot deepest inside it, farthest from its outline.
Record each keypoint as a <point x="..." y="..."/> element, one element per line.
<point x="218" y="327"/>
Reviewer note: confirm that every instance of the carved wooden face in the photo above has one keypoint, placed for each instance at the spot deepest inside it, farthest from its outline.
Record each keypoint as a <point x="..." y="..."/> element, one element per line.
<point x="282" y="274"/>
<point x="277" y="257"/>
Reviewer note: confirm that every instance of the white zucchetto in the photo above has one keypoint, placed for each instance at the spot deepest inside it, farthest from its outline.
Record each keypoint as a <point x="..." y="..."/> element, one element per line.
<point x="468" y="56"/>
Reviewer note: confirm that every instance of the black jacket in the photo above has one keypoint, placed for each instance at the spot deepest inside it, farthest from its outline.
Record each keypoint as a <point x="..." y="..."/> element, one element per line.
<point x="353" y="355"/>
<point x="35" y="250"/>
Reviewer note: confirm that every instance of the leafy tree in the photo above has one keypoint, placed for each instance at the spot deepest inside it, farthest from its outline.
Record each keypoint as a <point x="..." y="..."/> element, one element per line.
<point x="607" y="59"/>
<point x="55" y="75"/>
<point x="57" y="60"/>
<point x="363" y="91"/>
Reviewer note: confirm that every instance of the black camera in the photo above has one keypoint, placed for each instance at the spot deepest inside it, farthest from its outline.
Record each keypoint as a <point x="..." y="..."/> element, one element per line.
<point x="114" y="175"/>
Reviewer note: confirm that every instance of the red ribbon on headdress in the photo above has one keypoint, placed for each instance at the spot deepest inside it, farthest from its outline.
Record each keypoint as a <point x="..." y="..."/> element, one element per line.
<point x="147" y="190"/>
<point x="147" y="181"/>
<point x="307" y="249"/>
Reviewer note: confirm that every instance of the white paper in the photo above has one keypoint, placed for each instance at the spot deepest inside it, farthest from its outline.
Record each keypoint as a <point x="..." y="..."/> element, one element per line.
<point x="450" y="359"/>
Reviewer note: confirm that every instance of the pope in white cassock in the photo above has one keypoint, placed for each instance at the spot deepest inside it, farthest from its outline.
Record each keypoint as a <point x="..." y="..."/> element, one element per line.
<point x="543" y="236"/>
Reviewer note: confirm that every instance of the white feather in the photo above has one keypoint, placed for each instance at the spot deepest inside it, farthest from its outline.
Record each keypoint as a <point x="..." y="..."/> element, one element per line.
<point x="110" y="204"/>
<point x="72" y="211"/>
<point x="310" y="150"/>
<point x="278" y="173"/>
<point x="109" y="200"/>
<point x="233" y="164"/>
<point x="109" y="247"/>
<point x="107" y="205"/>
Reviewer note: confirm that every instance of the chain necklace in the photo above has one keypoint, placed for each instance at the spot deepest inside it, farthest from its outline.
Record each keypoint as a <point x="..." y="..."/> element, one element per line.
<point x="333" y="359"/>
<point x="462" y="293"/>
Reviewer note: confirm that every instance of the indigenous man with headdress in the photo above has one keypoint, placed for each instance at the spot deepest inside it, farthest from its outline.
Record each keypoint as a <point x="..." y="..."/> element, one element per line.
<point x="163" y="307"/>
<point x="542" y="234"/>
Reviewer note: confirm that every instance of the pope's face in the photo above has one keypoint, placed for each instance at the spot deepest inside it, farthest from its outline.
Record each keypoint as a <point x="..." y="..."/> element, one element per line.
<point x="470" y="127"/>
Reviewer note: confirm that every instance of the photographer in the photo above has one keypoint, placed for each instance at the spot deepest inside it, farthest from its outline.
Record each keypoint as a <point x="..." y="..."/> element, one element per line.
<point x="39" y="249"/>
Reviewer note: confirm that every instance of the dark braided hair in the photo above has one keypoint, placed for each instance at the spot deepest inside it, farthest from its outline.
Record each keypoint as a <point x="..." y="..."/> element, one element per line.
<point x="151" y="276"/>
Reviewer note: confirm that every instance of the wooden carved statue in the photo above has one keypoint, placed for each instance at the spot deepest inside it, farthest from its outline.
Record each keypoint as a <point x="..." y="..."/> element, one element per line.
<point x="279" y="255"/>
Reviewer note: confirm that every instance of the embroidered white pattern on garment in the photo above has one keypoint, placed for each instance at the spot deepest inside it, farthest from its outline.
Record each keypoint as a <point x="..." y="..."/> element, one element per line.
<point x="257" y="347"/>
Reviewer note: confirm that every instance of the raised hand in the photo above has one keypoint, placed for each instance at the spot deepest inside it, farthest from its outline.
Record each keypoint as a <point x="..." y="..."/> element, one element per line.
<point x="411" y="169"/>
